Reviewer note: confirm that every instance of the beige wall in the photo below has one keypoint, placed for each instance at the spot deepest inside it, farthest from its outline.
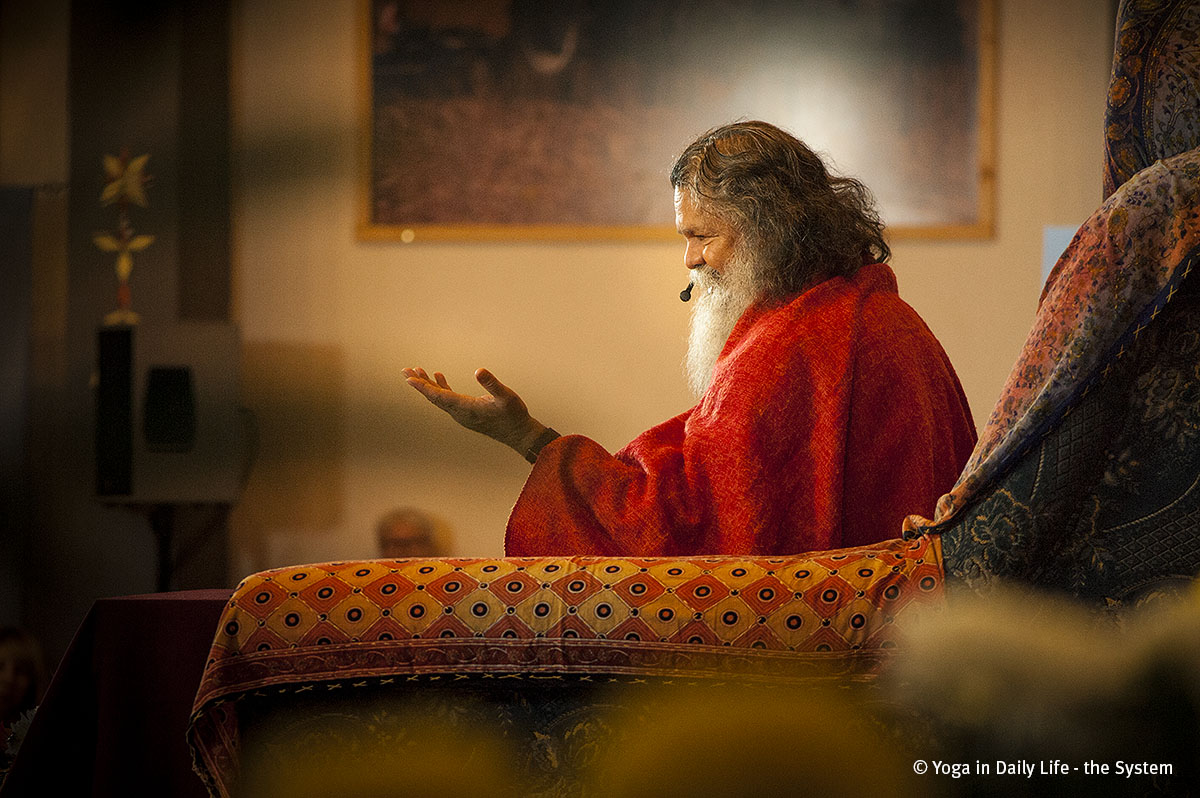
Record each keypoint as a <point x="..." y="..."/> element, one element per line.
<point x="589" y="333"/>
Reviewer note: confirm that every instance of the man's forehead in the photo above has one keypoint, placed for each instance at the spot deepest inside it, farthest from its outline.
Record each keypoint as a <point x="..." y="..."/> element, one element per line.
<point x="689" y="208"/>
<point x="693" y="212"/>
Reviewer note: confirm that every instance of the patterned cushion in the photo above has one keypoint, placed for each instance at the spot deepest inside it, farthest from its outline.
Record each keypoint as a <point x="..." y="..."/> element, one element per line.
<point x="782" y="620"/>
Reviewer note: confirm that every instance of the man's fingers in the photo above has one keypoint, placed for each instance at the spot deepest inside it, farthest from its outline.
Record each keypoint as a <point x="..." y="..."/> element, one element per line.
<point x="493" y="385"/>
<point x="425" y="389"/>
<point x="439" y="395"/>
<point x="438" y="391"/>
<point x="416" y="375"/>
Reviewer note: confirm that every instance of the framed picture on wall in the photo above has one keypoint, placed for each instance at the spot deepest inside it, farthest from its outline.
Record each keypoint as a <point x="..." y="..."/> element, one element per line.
<point x="511" y="119"/>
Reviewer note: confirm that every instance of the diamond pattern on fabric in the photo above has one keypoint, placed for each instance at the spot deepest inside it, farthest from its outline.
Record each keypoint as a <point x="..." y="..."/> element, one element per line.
<point x="583" y="614"/>
<point x="325" y="594"/>
<point x="513" y="588"/>
<point x="703" y="592"/>
<point x="262" y="601"/>
<point x="388" y="589"/>
<point x="451" y="588"/>
<point x="765" y="594"/>
<point x="758" y="619"/>
<point x="829" y="595"/>
<point x="638" y="589"/>
<point x="576" y="587"/>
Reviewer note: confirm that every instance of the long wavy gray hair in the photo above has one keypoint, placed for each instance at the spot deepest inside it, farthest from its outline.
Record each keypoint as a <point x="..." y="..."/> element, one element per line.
<point x="798" y="221"/>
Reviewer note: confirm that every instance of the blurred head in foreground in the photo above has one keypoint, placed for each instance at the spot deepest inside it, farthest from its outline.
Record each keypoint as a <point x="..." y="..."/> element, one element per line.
<point x="1027" y="676"/>
<point x="724" y="741"/>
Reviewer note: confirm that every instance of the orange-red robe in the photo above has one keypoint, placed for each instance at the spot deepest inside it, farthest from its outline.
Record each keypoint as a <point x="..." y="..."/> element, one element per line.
<point x="830" y="418"/>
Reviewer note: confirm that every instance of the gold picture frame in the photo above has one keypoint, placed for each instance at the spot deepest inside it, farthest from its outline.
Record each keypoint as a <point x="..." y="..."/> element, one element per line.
<point x="484" y="121"/>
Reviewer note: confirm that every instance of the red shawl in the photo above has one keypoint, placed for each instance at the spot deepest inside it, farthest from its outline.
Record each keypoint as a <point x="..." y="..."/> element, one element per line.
<point x="829" y="419"/>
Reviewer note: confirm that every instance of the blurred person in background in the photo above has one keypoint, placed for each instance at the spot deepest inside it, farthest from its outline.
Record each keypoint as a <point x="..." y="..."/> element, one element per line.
<point x="407" y="532"/>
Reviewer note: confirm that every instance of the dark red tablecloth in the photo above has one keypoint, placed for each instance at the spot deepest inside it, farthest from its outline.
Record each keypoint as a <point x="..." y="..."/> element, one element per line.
<point x="114" y="718"/>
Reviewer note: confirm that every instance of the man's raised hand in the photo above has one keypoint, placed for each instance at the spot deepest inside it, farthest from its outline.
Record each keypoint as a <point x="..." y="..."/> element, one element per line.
<point x="501" y="415"/>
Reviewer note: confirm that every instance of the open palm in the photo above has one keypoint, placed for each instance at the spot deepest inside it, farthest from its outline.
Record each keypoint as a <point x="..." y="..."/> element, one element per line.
<point x="500" y="415"/>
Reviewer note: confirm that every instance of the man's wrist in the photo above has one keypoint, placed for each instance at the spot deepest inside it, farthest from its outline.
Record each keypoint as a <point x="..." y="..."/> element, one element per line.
<point x="532" y="450"/>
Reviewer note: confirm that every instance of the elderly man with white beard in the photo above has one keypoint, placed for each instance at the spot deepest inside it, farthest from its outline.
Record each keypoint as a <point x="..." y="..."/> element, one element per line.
<point x="827" y="409"/>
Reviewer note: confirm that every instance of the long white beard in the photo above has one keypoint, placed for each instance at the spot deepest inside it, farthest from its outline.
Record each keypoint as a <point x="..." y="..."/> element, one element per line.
<point x="721" y="302"/>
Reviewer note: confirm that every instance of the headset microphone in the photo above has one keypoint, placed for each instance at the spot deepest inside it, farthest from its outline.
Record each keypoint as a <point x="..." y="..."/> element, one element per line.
<point x="686" y="293"/>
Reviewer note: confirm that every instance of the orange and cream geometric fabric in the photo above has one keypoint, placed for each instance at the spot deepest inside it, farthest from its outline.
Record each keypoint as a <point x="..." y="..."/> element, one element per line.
<point x="669" y="616"/>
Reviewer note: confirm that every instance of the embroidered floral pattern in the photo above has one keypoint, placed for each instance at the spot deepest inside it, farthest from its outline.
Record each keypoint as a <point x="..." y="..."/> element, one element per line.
<point x="1170" y="402"/>
<point x="989" y="539"/>
<point x="1153" y="108"/>
<point x="1107" y="507"/>
<point x="1120" y="270"/>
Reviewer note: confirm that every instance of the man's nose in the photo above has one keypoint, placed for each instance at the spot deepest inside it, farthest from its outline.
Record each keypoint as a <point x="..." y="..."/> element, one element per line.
<point x="693" y="257"/>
